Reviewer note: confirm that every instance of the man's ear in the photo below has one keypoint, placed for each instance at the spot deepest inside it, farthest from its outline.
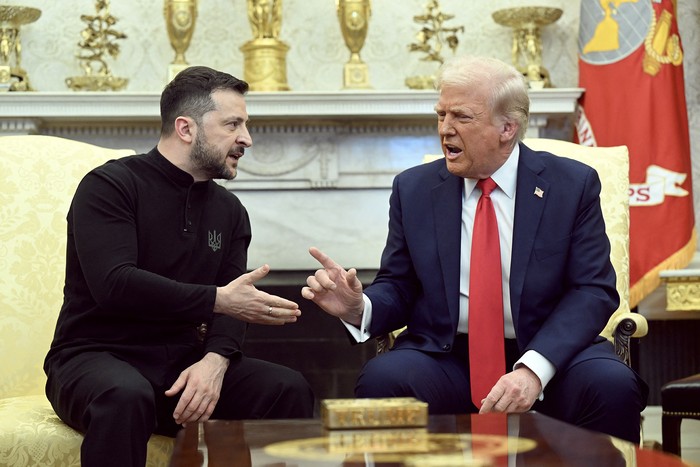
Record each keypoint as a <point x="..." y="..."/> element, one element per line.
<point x="185" y="128"/>
<point x="509" y="130"/>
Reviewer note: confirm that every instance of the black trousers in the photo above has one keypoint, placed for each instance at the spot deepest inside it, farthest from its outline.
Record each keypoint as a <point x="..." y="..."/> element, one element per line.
<point x="601" y="394"/>
<point x="117" y="408"/>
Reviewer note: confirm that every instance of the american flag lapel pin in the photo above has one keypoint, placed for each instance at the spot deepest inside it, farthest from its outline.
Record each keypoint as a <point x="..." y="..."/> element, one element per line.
<point x="539" y="192"/>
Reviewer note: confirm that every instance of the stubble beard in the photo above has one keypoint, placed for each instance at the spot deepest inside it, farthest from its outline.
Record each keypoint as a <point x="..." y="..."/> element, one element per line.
<point x="207" y="159"/>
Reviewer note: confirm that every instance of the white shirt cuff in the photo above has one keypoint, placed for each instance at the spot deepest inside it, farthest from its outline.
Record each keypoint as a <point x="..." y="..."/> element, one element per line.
<point x="361" y="334"/>
<point x="539" y="365"/>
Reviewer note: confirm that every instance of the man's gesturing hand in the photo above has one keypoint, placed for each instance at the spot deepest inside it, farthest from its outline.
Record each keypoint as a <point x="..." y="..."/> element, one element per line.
<point x="335" y="290"/>
<point x="240" y="299"/>
<point x="514" y="392"/>
<point x="202" y="387"/>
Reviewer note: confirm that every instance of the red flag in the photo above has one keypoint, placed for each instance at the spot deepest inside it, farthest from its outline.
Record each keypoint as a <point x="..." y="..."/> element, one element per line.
<point x="631" y="67"/>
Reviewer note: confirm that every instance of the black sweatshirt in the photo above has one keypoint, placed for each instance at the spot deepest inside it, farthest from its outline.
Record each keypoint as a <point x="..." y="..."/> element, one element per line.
<point x="147" y="247"/>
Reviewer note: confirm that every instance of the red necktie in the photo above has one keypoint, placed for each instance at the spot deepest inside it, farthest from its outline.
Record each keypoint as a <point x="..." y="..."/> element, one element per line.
<point x="486" y="350"/>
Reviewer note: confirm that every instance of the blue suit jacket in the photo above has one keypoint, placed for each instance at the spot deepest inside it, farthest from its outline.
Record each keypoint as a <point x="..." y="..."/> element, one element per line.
<point x="562" y="284"/>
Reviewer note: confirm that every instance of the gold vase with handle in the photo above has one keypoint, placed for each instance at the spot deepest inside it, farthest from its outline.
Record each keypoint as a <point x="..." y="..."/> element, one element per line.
<point x="180" y="19"/>
<point x="353" y="16"/>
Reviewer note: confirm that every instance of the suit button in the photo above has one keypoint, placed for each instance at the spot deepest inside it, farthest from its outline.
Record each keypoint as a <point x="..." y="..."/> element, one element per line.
<point x="446" y="347"/>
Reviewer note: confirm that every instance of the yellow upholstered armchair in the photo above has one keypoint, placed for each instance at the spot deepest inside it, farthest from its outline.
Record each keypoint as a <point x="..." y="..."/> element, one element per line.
<point x="38" y="175"/>
<point x="612" y="165"/>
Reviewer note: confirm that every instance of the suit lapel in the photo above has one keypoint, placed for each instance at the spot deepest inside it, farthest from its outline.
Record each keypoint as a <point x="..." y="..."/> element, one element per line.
<point x="529" y="206"/>
<point x="446" y="200"/>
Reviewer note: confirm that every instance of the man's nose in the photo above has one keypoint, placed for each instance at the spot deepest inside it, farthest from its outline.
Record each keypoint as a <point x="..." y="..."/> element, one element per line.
<point x="244" y="139"/>
<point x="445" y="127"/>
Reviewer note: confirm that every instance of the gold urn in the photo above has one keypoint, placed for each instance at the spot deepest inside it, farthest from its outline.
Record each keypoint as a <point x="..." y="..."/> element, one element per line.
<point x="180" y="19"/>
<point x="264" y="57"/>
<point x="353" y="16"/>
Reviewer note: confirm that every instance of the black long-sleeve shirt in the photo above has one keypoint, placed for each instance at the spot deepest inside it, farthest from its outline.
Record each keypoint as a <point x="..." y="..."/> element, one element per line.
<point x="147" y="247"/>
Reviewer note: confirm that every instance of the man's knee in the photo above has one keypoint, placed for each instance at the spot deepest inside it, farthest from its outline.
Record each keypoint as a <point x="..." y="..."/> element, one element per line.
<point x="267" y="390"/>
<point x="295" y="385"/>
<point x="384" y="376"/>
<point x="130" y="398"/>
<point x="372" y="381"/>
<point x="616" y="386"/>
<point x="601" y="394"/>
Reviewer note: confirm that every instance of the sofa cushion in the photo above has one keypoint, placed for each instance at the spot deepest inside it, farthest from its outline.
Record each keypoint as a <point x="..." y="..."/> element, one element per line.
<point x="32" y="434"/>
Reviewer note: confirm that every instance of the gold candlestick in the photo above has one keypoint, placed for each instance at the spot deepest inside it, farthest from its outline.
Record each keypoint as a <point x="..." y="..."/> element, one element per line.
<point x="98" y="39"/>
<point x="12" y="76"/>
<point x="527" y="40"/>
<point x="180" y="18"/>
<point x="354" y="23"/>
<point x="264" y="57"/>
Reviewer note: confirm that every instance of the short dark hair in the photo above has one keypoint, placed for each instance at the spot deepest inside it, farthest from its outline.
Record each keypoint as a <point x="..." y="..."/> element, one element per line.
<point x="189" y="94"/>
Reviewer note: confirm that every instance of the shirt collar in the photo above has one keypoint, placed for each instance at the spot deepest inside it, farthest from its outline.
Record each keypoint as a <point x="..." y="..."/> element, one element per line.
<point x="173" y="172"/>
<point x="505" y="177"/>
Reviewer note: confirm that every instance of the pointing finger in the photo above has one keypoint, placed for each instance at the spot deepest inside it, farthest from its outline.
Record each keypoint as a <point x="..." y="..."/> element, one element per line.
<point x="323" y="258"/>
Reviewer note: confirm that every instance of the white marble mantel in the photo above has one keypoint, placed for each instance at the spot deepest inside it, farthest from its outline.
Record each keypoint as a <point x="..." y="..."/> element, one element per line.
<point x="320" y="169"/>
<point x="50" y="107"/>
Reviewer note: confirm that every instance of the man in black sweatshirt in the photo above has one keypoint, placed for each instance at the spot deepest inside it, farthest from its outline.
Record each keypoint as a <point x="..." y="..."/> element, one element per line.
<point x="157" y="298"/>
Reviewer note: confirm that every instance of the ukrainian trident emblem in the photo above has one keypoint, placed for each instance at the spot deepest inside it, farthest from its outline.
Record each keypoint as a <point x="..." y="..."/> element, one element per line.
<point x="214" y="240"/>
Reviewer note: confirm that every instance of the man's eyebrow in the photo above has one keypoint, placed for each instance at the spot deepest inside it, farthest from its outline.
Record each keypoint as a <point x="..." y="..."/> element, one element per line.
<point x="236" y="120"/>
<point x="451" y="109"/>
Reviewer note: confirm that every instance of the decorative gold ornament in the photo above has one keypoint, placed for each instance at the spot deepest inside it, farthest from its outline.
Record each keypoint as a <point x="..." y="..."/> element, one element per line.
<point x="661" y="45"/>
<point x="430" y="41"/>
<point x="180" y="18"/>
<point x="401" y="446"/>
<point x="98" y="38"/>
<point x="682" y="289"/>
<point x="12" y="76"/>
<point x="527" y="40"/>
<point x="354" y="23"/>
<point x="264" y="57"/>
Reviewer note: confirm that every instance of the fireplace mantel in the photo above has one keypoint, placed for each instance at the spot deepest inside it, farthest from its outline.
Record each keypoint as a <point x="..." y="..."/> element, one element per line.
<point x="321" y="166"/>
<point x="36" y="110"/>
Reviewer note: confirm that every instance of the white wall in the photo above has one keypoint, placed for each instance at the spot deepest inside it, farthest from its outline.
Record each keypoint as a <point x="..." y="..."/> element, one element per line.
<point x="317" y="54"/>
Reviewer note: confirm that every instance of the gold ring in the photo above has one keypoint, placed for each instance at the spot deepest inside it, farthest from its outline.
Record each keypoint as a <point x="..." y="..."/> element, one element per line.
<point x="269" y="310"/>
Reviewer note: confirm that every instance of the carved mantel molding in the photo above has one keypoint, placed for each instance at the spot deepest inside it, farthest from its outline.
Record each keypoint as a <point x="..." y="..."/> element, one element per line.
<point x="49" y="108"/>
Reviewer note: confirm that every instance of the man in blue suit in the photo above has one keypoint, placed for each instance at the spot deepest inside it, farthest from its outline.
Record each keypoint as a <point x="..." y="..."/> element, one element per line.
<point x="558" y="286"/>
